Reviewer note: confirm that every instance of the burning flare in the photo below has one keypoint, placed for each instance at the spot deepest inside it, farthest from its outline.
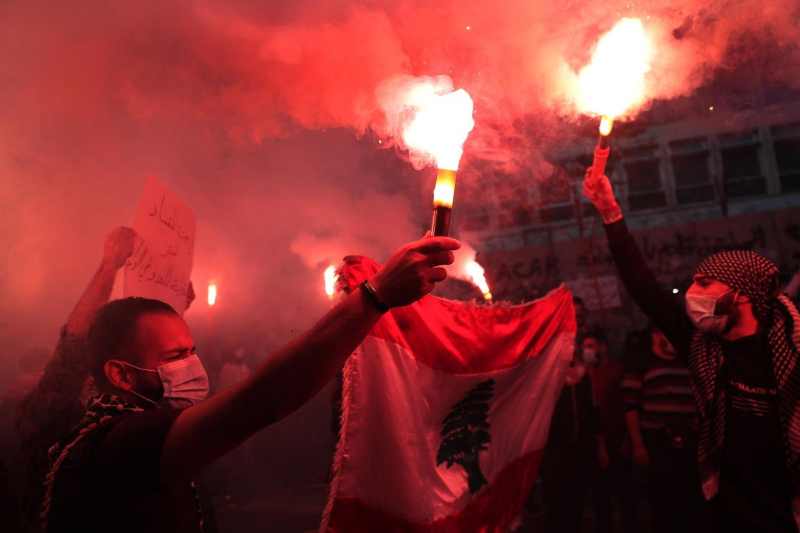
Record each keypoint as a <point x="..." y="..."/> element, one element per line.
<point x="440" y="123"/>
<point x="433" y="120"/>
<point x="477" y="275"/>
<point x="330" y="281"/>
<point x="212" y="294"/>
<point x="612" y="84"/>
<point x="439" y="128"/>
<point x="466" y="268"/>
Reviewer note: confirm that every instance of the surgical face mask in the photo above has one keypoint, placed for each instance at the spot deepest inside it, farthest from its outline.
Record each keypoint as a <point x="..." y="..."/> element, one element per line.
<point x="185" y="381"/>
<point x="589" y="356"/>
<point x="709" y="313"/>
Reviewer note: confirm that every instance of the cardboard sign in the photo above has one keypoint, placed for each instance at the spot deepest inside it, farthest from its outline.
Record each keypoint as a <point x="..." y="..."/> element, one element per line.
<point x="161" y="264"/>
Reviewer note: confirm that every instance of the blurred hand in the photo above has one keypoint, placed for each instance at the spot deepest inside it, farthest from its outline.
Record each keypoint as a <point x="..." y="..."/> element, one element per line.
<point x="119" y="247"/>
<point x="414" y="270"/>
<point x="640" y="456"/>
<point x="599" y="191"/>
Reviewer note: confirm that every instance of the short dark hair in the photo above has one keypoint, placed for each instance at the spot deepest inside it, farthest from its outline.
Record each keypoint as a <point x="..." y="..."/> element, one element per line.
<point x="113" y="330"/>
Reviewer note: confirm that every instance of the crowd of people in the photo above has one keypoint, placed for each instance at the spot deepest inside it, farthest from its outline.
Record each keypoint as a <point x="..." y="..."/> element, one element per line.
<point x="694" y="427"/>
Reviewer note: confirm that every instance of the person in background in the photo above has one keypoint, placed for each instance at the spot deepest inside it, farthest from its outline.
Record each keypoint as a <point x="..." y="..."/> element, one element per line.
<point x="662" y="423"/>
<point x="741" y="338"/>
<point x="128" y="465"/>
<point x="609" y="482"/>
<point x="574" y="442"/>
<point x="53" y="407"/>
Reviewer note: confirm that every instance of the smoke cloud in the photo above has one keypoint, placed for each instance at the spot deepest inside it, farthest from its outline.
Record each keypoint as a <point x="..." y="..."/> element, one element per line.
<point x="262" y="116"/>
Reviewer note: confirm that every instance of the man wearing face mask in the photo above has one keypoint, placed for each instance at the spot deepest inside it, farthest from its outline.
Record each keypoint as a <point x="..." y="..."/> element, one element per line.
<point x="129" y="465"/>
<point x="741" y="338"/>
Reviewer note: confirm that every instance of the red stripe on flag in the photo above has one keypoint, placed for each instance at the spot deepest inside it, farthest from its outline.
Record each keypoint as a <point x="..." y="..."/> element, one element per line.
<point x="462" y="338"/>
<point x="492" y="511"/>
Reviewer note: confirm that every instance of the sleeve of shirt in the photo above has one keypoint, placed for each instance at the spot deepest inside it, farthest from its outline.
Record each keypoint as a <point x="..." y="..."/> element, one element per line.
<point x="132" y="449"/>
<point x="641" y="284"/>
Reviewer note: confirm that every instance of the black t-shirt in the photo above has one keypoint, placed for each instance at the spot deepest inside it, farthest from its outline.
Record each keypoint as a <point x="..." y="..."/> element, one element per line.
<point x="111" y="481"/>
<point x="753" y="476"/>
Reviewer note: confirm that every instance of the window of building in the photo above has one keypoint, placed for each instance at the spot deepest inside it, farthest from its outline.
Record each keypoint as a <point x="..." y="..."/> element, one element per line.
<point x="645" y="187"/>
<point x="741" y="164"/>
<point x="787" y="155"/>
<point x="556" y="195"/>
<point x="692" y="168"/>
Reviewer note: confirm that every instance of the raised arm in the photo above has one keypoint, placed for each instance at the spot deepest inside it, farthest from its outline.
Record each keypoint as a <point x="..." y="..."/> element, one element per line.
<point x="50" y="408"/>
<point x="295" y="373"/>
<point x="118" y="248"/>
<point x="636" y="275"/>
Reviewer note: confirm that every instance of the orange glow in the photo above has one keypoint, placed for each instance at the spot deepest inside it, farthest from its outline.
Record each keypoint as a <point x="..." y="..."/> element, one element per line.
<point x="445" y="188"/>
<point x="440" y="123"/>
<point x="212" y="294"/>
<point x="613" y="84"/>
<point x="477" y="274"/>
<point x="330" y="281"/>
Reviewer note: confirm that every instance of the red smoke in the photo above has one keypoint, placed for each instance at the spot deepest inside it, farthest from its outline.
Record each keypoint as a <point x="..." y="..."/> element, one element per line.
<point x="218" y="99"/>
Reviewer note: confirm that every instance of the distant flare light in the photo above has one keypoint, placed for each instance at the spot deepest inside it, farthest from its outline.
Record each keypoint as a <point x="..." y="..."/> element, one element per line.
<point x="478" y="276"/>
<point x="212" y="294"/>
<point x="330" y="277"/>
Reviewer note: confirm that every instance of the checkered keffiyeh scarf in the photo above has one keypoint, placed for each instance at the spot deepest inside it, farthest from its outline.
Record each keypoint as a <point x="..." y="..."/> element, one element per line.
<point x="757" y="277"/>
<point x="101" y="411"/>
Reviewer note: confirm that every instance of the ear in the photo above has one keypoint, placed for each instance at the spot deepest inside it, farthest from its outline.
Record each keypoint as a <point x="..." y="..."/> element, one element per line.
<point x="117" y="375"/>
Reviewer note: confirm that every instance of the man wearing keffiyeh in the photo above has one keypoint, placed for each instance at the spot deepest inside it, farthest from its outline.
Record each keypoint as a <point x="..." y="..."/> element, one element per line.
<point x="742" y="337"/>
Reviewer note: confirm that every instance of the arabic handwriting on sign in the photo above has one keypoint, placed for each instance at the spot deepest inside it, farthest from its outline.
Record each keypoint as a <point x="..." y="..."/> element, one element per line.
<point x="170" y="220"/>
<point x="171" y="250"/>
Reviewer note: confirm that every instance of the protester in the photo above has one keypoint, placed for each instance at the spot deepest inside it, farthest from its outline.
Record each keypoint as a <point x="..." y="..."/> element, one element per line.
<point x="574" y="443"/>
<point x="741" y="338"/>
<point x="610" y="482"/>
<point x="54" y="406"/>
<point x="662" y="424"/>
<point x="128" y="465"/>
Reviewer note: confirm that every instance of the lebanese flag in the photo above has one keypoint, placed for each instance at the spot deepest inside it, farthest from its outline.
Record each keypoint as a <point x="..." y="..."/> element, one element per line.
<point x="445" y="411"/>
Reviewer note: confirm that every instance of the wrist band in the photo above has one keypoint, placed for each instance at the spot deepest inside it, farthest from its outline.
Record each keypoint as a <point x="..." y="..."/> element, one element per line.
<point x="372" y="295"/>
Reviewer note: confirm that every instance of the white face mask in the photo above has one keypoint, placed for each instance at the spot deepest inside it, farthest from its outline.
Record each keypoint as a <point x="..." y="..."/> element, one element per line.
<point x="704" y="313"/>
<point x="185" y="381"/>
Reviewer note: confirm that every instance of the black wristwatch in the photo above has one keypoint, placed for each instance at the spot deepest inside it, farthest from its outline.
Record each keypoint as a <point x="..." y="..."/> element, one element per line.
<point x="372" y="296"/>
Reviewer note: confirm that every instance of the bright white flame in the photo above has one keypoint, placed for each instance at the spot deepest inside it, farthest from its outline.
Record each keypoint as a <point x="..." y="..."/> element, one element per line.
<point x="432" y="119"/>
<point x="212" y="294"/>
<point x="465" y="267"/>
<point x="478" y="276"/>
<point x="330" y="281"/>
<point x="613" y="82"/>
